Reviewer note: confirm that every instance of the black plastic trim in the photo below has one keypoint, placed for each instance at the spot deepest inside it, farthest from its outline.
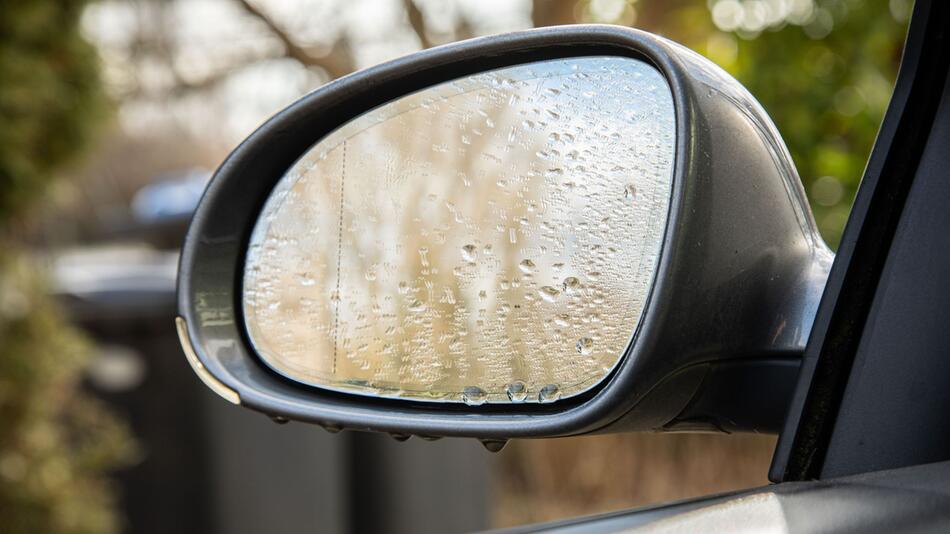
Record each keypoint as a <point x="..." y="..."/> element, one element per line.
<point x="856" y="273"/>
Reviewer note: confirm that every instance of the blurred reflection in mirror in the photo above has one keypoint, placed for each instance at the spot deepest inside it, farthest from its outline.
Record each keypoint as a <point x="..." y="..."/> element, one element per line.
<point x="490" y="239"/>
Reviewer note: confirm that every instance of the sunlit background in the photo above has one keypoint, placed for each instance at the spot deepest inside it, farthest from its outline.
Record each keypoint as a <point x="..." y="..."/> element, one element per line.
<point x="112" y="116"/>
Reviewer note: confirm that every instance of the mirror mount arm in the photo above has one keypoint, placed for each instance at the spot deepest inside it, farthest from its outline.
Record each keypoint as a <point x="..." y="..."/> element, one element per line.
<point x="748" y="393"/>
<point x="740" y="396"/>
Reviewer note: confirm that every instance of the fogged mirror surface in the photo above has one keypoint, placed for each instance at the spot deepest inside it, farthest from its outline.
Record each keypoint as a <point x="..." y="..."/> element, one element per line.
<point x="490" y="239"/>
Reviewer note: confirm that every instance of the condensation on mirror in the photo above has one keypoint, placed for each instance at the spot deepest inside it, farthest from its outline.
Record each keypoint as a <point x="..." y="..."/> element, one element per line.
<point x="492" y="239"/>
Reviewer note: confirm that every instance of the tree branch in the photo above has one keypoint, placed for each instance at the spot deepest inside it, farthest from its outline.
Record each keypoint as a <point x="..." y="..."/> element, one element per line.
<point x="418" y="22"/>
<point x="336" y="63"/>
<point x="552" y="12"/>
<point x="184" y="85"/>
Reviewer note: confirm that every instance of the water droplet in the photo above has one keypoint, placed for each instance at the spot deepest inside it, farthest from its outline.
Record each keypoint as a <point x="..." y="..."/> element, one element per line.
<point x="571" y="284"/>
<point x="331" y="428"/>
<point x="585" y="345"/>
<point x="430" y="438"/>
<point x="548" y="293"/>
<point x="517" y="391"/>
<point x="630" y="192"/>
<point x="549" y="393"/>
<point x="469" y="253"/>
<point x="474" y="396"/>
<point x="448" y="296"/>
<point x="400" y="437"/>
<point x="279" y="419"/>
<point x="494" y="445"/>
<point x="526" y="266"/>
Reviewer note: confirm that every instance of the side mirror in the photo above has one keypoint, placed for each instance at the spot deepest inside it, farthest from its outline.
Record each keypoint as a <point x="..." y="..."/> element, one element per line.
<point x="552" y="232"/>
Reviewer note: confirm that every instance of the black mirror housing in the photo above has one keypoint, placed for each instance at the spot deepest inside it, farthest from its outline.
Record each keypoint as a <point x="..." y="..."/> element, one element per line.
<point x="741" y="271"/>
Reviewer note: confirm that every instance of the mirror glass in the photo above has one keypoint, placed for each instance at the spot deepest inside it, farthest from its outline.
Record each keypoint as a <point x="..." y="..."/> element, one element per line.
<point x="491" y="239"/>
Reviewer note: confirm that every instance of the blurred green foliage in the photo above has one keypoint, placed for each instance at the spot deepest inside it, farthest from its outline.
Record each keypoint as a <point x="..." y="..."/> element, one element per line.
<point x="56" y="443"/>
<point x="824" y="72"/>
<point x="50" y="96"/>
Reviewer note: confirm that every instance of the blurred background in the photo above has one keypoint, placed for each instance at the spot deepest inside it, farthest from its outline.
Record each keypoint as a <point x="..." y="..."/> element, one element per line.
<point x="113" y="115"/>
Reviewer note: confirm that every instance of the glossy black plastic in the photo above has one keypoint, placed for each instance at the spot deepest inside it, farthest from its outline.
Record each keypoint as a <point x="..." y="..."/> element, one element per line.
<point x="739" y="278"/>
